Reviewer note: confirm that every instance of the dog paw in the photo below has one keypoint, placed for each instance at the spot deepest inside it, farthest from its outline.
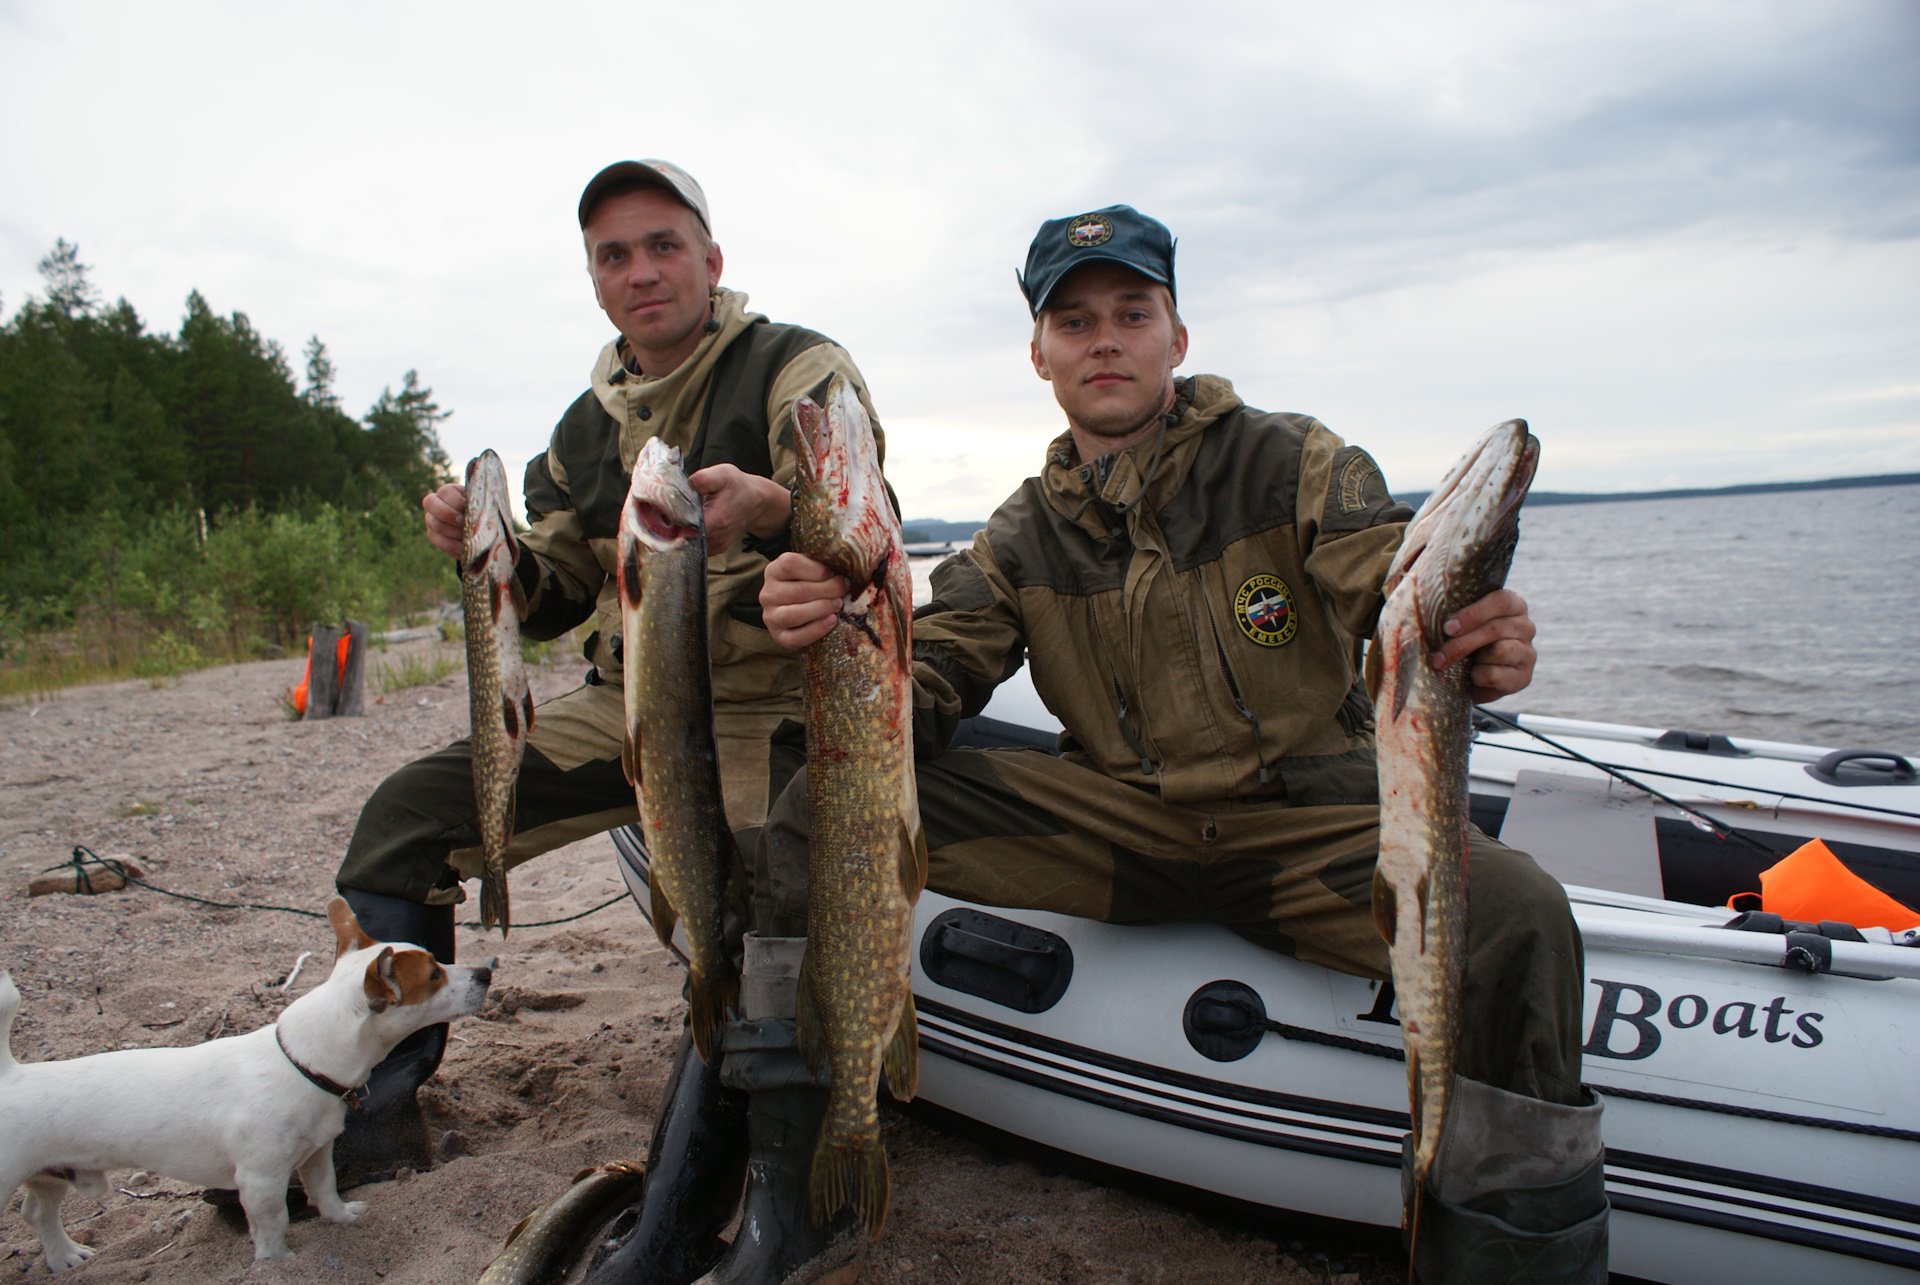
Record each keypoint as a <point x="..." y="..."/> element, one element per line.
<point x="349" y="1211"/>
<point x="69" y="1257"/>
<point x="271" y="1251"/>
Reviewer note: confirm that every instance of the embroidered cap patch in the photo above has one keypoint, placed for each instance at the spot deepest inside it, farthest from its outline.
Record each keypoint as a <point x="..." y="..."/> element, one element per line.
<point x="1089" y="230"/>
<point x="1264" y="610"/>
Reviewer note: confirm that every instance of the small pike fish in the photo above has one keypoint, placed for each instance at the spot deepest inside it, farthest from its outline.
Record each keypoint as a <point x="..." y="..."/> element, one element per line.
<point x="1456" y="550"/>
<point x="868" y="859"/>
<point x="542" y="1245"/>
<point x="500" y="700"/>
<point x="671" y="758"/>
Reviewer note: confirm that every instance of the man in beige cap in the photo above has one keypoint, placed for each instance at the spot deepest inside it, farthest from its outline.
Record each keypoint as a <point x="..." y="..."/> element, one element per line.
<point x="690" y="365"/>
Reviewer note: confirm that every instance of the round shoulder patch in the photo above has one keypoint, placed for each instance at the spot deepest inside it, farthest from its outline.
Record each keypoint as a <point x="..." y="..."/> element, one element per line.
<point x="1264" y="610"/>
<point x="1089" y="230"/>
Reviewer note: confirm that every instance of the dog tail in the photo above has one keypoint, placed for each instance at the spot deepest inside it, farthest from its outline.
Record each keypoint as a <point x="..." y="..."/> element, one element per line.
<point x="9" y="1005"/>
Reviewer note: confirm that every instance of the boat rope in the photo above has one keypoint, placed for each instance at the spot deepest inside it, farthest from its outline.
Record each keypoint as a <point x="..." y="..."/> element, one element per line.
<point x="1718" y="827"/>
<point x="84" y="857"/>
<point x="1307" y="1035"/>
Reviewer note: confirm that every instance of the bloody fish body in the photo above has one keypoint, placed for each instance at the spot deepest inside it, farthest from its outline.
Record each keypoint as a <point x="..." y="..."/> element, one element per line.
<point x="672" y="759"/>
<point x="1456" y="550"/>
<point x="868" y="858"/>
<point x="500" y="700"/>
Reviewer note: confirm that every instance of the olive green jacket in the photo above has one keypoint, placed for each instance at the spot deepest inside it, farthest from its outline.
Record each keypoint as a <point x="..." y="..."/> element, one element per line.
<point x="1193" y="606"/>
<point x="730" y="401"/>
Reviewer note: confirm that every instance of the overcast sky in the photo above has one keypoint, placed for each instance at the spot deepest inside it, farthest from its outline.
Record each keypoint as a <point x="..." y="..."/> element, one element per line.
<point x="1683" y="239"/>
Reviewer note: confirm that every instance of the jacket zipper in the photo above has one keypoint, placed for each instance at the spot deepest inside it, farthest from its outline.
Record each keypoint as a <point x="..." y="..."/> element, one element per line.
<point x="1239" y="702"/>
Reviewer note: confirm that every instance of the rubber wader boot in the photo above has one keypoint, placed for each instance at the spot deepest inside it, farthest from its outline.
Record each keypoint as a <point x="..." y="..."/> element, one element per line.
<point x="778" y="1242"/>
<point x="388" y="1132"/>
<point x="696" y="1163"/>
<point x="1518" y="1193"/>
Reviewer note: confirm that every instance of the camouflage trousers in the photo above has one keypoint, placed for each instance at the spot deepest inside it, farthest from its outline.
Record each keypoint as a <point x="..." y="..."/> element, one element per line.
<point x="416" y="837"/>
<point x="1024" y="828"/>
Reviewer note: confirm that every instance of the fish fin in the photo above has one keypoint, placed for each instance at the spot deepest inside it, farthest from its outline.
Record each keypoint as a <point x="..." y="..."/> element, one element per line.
<point x="1385" y="912"/>
<point x="913" y="861"/>
<point x="526" y="707"/>
<point x="494" y="902"/>
<point x="517" y="596"/>
<point x="664" y="916"/>
<point x="843" y="1175"/>
<point x="902" y="1061"/>
<point x="521" y="1226"/>
<point x="708" y="1001"/>
<point x="630" y="754"/>
<point x="510" y="717"/>
<point x="1406" y="663"/>
<point x="1372" y="670"/>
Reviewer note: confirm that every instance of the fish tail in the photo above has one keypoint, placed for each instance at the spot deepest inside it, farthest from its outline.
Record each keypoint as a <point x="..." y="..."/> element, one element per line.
<point x="843" y="1175"/>
<point x="902" y="1061"/>
<point x="493" y="899"/>
<point x="708" y="1003"/>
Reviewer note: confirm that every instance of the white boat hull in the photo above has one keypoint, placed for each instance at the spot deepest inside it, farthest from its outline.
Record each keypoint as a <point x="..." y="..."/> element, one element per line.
<point x="1762" y="1121"/>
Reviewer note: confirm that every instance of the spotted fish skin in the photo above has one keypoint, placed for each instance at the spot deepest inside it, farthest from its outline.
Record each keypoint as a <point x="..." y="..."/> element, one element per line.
<point x="500" y="699"/>
<point x="671" y="757"/>
<point x="1456" y="550"/>
<point x="868" y="857"/>
<point x="543" y="1244"/>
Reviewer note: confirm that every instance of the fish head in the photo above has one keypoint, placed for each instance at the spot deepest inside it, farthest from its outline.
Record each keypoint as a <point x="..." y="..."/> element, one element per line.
<point x="1460" y="544"/>
<point x="842" y="514"/>
<point x="662" y="509"/>
<point x="488" y="521"/>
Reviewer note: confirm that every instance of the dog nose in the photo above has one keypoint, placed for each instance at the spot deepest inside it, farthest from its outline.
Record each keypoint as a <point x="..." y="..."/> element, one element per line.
<point x="485" y="975"/>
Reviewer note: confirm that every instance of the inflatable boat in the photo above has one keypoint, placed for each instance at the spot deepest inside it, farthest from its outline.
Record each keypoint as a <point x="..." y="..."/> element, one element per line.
<point x="1761" y="1075"/>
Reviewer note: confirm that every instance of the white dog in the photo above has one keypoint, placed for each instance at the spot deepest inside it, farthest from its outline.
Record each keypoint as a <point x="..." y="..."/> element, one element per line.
<point x="245" y="1112"/>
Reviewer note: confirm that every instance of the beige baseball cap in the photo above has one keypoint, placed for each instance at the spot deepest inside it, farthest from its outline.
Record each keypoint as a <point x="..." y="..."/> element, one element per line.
<point x="662" y="174"/>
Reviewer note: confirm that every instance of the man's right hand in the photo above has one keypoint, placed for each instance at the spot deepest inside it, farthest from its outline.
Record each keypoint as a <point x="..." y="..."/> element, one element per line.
<point x="445" y="511"/>
<point x="800" y="600"/>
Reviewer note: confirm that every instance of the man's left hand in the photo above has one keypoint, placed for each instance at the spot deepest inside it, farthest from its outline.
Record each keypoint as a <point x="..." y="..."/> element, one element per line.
<point x="734" y="503"/>
<point x="1495" y="637"/>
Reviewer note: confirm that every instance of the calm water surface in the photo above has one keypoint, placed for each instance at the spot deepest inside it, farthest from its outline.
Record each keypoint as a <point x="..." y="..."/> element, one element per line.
<point x="1786" y="617"/>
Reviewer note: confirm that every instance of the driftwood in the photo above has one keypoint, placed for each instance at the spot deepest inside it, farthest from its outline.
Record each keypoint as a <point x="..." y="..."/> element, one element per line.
<point x="90" y="879"/>
<point x="352" y="702"/>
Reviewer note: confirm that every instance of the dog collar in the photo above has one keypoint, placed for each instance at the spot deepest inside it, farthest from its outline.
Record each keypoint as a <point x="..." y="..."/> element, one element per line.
<point x="353" y="1097"/>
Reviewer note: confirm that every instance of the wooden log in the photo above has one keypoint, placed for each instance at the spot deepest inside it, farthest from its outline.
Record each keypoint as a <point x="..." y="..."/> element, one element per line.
<point x="91" y="879"/>
<point x="323" y="675"/>
<point x="352" y="702"/>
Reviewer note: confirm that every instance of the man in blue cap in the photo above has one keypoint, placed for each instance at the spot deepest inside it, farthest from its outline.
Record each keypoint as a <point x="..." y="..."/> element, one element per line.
<point x="1191" y="580"/>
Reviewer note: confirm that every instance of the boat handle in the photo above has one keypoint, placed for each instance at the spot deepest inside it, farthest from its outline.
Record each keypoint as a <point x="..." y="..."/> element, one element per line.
<point x="1898" y="771"/>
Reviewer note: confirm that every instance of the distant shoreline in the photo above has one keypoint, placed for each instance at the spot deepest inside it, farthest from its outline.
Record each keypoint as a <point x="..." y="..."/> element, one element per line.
<point x="939" y="531"/>
<point x="1537" y="498"/>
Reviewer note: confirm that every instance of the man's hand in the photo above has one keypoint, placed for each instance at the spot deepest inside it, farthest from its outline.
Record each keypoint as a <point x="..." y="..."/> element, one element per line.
<point x="1495" y="637"/>
<point x="800" y="600"/>
<point x="734" y="502"/>
<point x="445" y="515"/>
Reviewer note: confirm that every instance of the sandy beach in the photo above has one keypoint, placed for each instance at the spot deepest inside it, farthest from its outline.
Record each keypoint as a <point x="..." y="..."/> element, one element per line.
<point x="208" y="784"/>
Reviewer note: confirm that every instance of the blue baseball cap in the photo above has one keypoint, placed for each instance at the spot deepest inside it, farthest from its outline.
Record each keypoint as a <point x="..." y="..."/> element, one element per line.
<point x="1117" y="234"/>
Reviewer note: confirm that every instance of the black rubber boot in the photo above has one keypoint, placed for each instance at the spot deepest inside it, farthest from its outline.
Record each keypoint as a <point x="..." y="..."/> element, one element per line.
<point x="696" y="1163"/>
<point x="778" y="1242"/>
<point x="1517" y="1194"/>
<point x="388" y="1133"/>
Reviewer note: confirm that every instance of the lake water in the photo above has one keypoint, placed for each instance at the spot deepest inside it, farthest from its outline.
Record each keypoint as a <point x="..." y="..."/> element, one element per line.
<point x="1788" y="616"/>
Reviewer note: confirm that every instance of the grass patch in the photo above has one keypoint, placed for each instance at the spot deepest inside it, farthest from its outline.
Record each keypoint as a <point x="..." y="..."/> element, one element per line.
<point x="413" y="670"/>
<point x="138" y="808"/>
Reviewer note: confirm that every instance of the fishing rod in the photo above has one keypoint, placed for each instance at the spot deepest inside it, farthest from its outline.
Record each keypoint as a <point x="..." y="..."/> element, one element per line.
<point x="1720" y="828"/>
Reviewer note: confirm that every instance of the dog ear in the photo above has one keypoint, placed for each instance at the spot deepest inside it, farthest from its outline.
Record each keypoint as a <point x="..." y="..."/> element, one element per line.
<point x="347" y="933"/>
<point x="383" y="989"/>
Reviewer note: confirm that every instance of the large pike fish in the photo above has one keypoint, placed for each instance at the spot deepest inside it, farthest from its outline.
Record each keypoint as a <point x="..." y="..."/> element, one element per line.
<point x="671" y="759"/>
<point x="868" y="859"/>
<point x="1456" y="550"/>
<point x="500" y="701"/>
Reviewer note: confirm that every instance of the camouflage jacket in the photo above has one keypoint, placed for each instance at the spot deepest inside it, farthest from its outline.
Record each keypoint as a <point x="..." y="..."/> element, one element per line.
<point x="730" y="401"/>
<point x="1193" y="606"/>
